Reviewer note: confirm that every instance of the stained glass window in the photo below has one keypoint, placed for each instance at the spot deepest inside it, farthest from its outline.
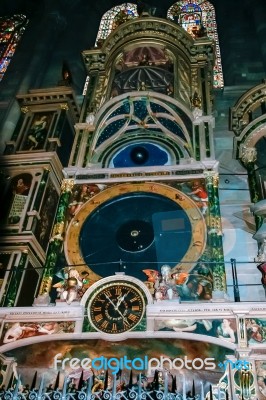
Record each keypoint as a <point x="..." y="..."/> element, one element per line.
<point x="194" y="15"/>
<point x="11" y="30"/>
<point x="115" y="17"/>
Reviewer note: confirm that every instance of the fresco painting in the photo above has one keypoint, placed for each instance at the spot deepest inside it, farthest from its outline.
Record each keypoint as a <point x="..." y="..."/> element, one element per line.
<point x="14" y="331"/>
<point x="261" y="379"/>
<point x="38" y="131"/>
<point x="256" y="330"/>
<point x="220" y="328"/>
<point x="19" y="190"/>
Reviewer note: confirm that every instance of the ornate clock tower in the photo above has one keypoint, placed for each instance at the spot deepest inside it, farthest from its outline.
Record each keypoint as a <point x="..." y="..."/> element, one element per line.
<point x="141" y="188"/>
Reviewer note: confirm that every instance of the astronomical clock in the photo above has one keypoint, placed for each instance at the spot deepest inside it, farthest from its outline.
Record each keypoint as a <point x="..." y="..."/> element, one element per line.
<point x="144" y="186"/>
<point x="140" y="194"/>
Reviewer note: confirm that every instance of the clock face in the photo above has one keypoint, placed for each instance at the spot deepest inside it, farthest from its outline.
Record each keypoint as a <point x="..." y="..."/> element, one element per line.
<point x="116" y="307"/>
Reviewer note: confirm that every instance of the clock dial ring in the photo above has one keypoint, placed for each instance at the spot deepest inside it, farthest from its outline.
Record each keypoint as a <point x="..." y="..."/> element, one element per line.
<point x="116" y="307"/>
<point x="196" y="241"/>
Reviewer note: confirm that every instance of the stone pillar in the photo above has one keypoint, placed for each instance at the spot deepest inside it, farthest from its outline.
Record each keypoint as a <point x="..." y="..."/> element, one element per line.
<point x="215" y="243"/>
<point x="56" y="240"/>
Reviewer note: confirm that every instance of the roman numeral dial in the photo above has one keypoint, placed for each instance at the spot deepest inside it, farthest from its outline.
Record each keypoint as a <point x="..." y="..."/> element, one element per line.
<point x="116" y="307"/>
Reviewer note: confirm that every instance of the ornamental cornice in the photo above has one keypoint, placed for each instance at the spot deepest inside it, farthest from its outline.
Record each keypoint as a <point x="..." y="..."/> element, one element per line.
<point x="94" y="59"/>
<point x="199" y="50"/>
<point x="162" y="308"/>
<point x="50" y="99"/>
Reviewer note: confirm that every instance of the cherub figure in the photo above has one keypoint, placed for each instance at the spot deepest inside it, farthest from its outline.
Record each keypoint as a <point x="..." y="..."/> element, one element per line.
<point x="200" y="195"/>
<point x="71" y="288"/>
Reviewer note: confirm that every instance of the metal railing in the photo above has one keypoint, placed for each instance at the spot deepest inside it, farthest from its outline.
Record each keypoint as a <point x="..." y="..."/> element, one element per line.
<point x="86" y="391"/>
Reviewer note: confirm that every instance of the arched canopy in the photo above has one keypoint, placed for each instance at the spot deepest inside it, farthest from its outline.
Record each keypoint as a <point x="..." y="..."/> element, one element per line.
<point x="138" y="115"/>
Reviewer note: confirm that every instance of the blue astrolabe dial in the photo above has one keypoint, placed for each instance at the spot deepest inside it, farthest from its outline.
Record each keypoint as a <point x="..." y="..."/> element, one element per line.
<point x="137" y="228"/>
<point x="129" y="227"/>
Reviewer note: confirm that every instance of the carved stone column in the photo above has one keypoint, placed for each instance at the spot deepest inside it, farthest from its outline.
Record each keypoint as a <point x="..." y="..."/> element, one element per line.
<point x="95" y="64"/>
<point x="56" y="240"/>
<point x="215" y="235"/>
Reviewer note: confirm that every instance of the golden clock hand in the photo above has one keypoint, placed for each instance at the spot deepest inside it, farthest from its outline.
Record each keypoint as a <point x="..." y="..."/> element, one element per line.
<point x="123" y="318"/>
<point x="116" y="309"/>
<point x="120" y="299"/>
<point x="108" y="298"/>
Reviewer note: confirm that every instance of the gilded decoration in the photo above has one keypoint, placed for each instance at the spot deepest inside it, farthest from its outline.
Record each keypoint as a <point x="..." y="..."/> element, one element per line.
<point x="94" y="60"/>
<point x="167" y="30"/>
<point x="212" y="177"/>
<point x="249" y="154"/>
<point x="67" y="185"/>
<point x="64" y="106"/>
<point x="215" y="231"/>
<point x="46" y="285"/>
<point x="58" y="231"/>
<point x="25" y="110"/>
<point x="99" y="92"/>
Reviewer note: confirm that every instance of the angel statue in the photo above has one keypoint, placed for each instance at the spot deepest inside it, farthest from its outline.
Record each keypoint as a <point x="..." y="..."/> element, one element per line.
<point x="152" y="276"/>
<point x="70" y="288"/>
